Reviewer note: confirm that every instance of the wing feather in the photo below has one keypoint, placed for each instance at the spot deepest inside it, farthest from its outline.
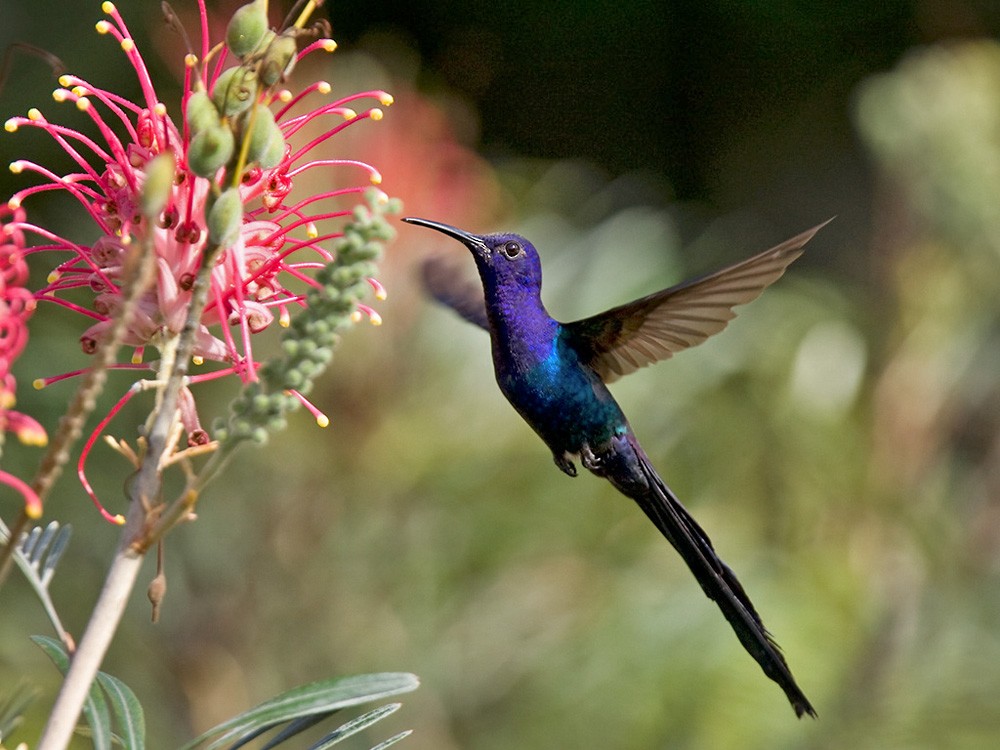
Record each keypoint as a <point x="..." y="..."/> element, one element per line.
<point x="446" y="283"/>
<point x="655" y="327"/>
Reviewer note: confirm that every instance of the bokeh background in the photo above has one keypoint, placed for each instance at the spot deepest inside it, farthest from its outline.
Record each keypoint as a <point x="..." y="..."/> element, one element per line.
<point x="840" y="441"/>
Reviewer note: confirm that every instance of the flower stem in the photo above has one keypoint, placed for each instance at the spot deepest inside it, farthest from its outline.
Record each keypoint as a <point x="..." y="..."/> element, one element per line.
<point x="143" y="489"/>
<point x="96" y="638"/>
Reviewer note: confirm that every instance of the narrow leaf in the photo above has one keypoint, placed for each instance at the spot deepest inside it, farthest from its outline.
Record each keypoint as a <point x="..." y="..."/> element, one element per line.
<point x="13" y="707"/>
<point x="393" y="740"/>
<point x="129" y="716"/>
<point x="325" y="696"/>
<point x="355" y="725"/>
<point x="56" y="549"/>
<point x="294" y="728"/>
<point x="95" y="709"/>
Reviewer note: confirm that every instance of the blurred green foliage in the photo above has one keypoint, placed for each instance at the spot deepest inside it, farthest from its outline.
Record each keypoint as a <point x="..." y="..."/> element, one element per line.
<point x="840" y="442"/>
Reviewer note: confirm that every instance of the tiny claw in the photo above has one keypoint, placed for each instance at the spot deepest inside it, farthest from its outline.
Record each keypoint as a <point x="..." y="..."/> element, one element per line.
<point x="564" y="464"/>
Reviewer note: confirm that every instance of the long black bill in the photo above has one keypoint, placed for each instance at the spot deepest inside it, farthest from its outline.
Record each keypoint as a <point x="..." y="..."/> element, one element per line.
<point x="471" y="241"/>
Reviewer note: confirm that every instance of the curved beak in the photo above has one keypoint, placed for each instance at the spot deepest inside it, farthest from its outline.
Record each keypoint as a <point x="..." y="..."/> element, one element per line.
<point x="474" y="242"/>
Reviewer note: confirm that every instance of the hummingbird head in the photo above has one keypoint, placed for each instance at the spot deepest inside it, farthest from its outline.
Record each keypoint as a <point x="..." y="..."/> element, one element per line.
<point x="503" y="260"/>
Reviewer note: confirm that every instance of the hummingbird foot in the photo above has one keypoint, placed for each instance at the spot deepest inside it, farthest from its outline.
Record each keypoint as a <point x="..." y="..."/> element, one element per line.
<point x="564" y="464"/>
<point x="590" y="460"/>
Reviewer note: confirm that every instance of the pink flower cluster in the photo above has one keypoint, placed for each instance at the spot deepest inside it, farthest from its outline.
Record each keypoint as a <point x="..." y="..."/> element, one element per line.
<point x="258" y="277"/>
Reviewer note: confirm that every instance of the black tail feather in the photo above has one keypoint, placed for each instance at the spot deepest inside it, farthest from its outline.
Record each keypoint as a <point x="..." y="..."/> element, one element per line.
<point x="716" y="578"/>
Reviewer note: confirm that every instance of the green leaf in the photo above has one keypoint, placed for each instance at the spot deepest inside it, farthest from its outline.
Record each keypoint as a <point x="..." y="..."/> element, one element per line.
<point x="393" y="740"/>
<point x="293" y="728"/>
<point x="95" y="709"/>
<point x="129" y="716"/>
<point x="355" y="725"/>
<point x="322" y="697"/>
<point x="13" y="707"/>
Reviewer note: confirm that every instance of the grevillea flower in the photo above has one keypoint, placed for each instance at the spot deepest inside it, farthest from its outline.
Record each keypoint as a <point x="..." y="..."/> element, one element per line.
<point x="215" y="186"/>
<point x="16" y="306"/>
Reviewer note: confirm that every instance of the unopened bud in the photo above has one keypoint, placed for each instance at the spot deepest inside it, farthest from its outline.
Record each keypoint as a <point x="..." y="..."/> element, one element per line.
<point x="267" y="143"/>
<point x="247" y="28"/>
<point x="201" y="112"/>
<point x="210" y="149"/>
<point x="235" y="90"/>
<point x="225" y="219"/>
<point x="159" y="184"/>
<point x="279" y="59"/>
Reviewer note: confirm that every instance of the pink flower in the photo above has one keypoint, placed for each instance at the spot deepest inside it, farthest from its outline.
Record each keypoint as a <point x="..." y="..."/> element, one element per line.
<point x="228" y="195"/>
<point x="16" y="306"/>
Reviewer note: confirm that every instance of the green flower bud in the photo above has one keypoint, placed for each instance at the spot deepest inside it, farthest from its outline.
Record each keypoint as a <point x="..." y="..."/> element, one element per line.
<point x="267" y="143"/>
<point x="225" y="218"/>
<point x="246" y="28"/>
<point x="235" y="90"/>
<point x="159" y="183"/>
<point x="210" y="149"/>
<point x="201" y="114"/>
<point x="279" y="59"/>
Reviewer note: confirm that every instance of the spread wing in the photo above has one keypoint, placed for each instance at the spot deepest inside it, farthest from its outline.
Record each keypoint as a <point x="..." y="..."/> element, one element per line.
<point x="446" y="283"/>
<point x="625" y="338"/>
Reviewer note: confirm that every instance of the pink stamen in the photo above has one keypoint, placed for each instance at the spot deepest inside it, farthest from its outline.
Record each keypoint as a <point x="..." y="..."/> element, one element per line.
<point x="321" y="419"/>
<point x="81" y="473"/>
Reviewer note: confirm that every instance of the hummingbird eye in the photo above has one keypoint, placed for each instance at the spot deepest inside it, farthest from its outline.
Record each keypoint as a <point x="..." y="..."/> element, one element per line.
<point x="511" y="250"/>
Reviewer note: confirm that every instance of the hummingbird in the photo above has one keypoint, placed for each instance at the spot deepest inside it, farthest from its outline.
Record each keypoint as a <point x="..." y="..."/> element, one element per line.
<point x="556" y="374"/>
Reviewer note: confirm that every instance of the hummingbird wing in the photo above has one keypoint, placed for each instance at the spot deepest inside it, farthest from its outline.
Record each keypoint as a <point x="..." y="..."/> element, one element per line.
<point x="625" y="338"/>
<point x="446" y="283"/>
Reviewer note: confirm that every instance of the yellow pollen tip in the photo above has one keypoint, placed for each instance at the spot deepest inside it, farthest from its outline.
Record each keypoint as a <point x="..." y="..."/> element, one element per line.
<point x="60" y="95"/>
<point x="103" y="27"/>
<point x="79" y="90"/>
<point x="324" y="87"/>
<point x="127" y="44"/>
<point x="198" y="360"/>
<point x="284" y="322"/>
<point x="33" y="437"/>
<point x="356" y="316"/>
<point x="190" y="59"/>
<point x="311" y="231"/>
<point x="14" y="203"/>
<point x="376" y="114"/>
<point x="328" y="45"/>
<point x="349" y="114"/>
<point x="34" y="115"/>
<point x="386" y="99"/>
<point x="108" y="7"/>
<point x="375" y="318"/>
<point x="65" y="81"/>
<point x="53" y="277"/>
<point x="118" y="520"/>
<point x="322" y="420"/>
<point x="10" y="126"/>
<point x="285" y="96"/>
<point x="16" y="167"/>
<point x="160" y="109"/>
<point x="33" y="511"/>
<point x="136" y="358"/>
<point x="38" y="383"/>
<point x="376" y="178"/>
<point x="83" y="104"/>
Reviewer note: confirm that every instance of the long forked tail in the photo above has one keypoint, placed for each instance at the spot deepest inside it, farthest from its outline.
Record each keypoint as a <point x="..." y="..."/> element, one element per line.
<point x="635" y="476"/>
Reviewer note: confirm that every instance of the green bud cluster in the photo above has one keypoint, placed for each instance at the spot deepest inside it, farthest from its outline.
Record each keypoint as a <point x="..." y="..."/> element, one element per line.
<point x="230" y="126"/>
<point x="308" y="343"/>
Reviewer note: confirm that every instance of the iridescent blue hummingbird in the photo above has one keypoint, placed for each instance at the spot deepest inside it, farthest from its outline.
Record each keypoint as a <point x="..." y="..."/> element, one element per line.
<point x="555" y="375"/>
